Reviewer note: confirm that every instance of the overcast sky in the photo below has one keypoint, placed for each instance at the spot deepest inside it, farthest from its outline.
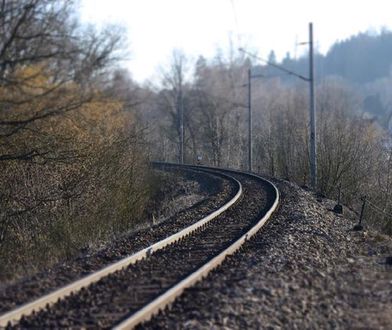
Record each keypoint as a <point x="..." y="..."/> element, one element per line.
<point x="199" y="27"/>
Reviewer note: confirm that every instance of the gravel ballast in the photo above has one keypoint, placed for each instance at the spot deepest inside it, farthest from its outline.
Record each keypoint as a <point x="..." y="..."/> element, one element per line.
<point x="214" y="192"/>
<point x="114" y="297"/>
<point x="306" y="269"/>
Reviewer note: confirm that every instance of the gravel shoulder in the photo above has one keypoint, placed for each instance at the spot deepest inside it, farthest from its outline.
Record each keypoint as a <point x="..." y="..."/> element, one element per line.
<point x="306" y="269"/>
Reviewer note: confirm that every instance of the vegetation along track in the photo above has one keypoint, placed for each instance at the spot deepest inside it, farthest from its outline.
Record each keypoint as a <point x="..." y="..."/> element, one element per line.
<point x="131" y="295"/>
<point x="218" y="191"/>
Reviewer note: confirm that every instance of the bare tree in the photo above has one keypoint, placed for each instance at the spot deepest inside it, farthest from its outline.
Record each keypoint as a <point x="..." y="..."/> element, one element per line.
<point x="173" y="98"/>
<point x="44" y="54"/>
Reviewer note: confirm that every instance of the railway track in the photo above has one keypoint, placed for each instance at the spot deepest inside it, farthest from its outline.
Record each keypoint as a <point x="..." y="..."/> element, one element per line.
<point x="132" y="290"/>
<point x="218" y="191"/>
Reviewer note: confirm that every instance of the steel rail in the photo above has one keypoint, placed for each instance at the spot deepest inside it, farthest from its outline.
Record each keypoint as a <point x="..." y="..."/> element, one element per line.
<point x="170" y="295"/>
<point x="51" y="298"/>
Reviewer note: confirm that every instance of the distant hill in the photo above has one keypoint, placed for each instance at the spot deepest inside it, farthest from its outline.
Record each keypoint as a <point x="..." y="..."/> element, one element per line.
<point x="362" y="58"/>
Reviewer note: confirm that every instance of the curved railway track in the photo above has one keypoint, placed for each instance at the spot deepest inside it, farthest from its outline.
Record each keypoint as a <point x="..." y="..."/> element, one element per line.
<point x="217" y="190"/>
<point x="133" y="289"/>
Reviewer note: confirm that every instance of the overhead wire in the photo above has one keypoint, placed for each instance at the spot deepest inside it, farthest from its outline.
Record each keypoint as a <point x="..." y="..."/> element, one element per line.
<point x="236" y="25"/>
<point x="377" y="208"/>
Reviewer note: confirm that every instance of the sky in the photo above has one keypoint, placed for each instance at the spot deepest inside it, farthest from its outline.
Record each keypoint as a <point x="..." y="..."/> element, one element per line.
<point x="200" y="27"/>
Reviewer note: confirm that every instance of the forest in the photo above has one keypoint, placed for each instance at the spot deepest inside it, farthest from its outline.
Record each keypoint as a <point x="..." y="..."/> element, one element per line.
<point x="77" y="133"/>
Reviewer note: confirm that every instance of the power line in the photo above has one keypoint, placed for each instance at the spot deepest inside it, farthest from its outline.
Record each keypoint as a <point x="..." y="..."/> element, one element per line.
<point x="312" y="103"/>
<point x="236" y="21"/>
<point x="375" y="207"/>
<point x="289" y="72"/>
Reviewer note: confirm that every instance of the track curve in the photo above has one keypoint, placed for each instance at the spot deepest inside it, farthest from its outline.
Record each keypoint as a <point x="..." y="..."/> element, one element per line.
<point x="131" y="295"/>
<point x="47" y="299"/>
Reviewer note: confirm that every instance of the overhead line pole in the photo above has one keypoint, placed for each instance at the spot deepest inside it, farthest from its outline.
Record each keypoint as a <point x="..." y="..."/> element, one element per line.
<point x="250" y="125"/>
<point x="249" y="121"/>
<point x="180" y="114"/>
<point x="312" y="104"/>
<point x="182" y="128"/>
<point x="313" y="144"/>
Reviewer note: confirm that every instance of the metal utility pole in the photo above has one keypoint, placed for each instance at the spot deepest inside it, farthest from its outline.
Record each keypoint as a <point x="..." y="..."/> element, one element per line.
<point x="180" y="104"/>
<point x="312" y="104"/>
<point x="250" y="140"/>
<point x="249" y="121"/>
<point x="182" y="128"/>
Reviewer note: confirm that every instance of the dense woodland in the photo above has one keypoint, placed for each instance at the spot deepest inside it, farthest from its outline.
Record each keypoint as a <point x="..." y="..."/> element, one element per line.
<point x="77" y="133"/>
<point x="72" y="171"/>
